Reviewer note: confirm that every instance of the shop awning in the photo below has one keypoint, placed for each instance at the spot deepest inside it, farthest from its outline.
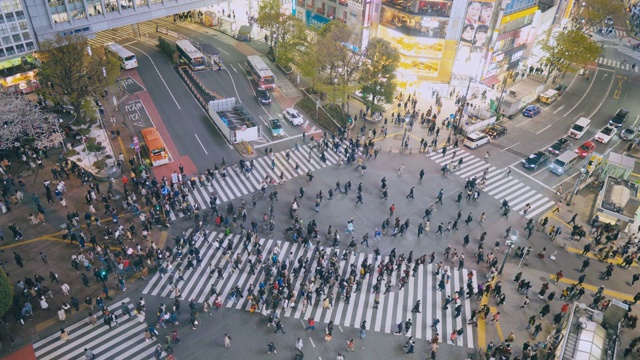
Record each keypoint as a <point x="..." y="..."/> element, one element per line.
<point x="491" y="80"/>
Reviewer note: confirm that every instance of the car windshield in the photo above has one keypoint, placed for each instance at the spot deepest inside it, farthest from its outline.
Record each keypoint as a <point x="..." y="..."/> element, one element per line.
<point x="607" y="131"/>
<point x="577" y="128"/>
<point x="628" y="131"/>
<point x="294" y="115"/>
<point x="275" y="124"/>
<point x="584" y="147"/>
<point x="533" y="159"/>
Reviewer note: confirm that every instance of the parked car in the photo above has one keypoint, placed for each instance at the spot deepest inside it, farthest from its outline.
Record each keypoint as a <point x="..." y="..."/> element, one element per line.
<point x="534" y="160"/>
<point x="559" y="146"/>
<point x="276" y="127"/>
<point x="495" y="131"/>
<point x="263" y="96"/>
<point x="585" y="149"/>
<point x="628" y="133"/>
<point x="619" y="118"/>
<point x="561" y="88"/>
<point x="293" y="116"/>
<point x="531" y="111"/>
<point x="605" y="134"/>
<point x="593" y="163"/>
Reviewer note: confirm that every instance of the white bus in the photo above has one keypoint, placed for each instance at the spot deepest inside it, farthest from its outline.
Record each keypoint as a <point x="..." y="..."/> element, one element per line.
<point x="261" y="72"/>
<point x="125" y="57"/>
<point x="191" y="55"/>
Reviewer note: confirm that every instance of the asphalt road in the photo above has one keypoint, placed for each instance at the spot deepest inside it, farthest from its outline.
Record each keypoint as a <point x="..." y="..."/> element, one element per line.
<point x="192" y="131"/>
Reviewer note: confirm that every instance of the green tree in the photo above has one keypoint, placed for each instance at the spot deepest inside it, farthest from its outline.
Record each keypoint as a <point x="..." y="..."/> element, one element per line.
<point x="378" y="73"/>
<point x="308" y="61"/>
<point x="596" y="11"/>
<point x="568" y="50"/>
<point x="339" y="62"/>
<point x="270" y="17"/>
<point x="72" y="72"/>
<point x="292" y="36"/>
<point x="6" y="293"/>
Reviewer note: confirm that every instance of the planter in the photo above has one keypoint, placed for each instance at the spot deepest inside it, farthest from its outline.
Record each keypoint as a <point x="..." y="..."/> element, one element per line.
<point x="288" y="70"/>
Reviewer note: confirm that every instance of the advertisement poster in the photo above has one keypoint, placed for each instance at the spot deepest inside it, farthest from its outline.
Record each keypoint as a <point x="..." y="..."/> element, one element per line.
<point x="472" y="45"/>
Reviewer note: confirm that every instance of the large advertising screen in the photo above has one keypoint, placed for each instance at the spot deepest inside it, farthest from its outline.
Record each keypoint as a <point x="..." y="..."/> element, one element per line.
<point x="473" y="40"/>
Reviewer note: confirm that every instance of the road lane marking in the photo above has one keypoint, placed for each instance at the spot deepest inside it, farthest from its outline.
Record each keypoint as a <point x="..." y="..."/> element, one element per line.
<point x="584" y="95"/>
<point x="234" y="69"/>
<point x="160" y="75"/>
<point x="510" y="146"/>
<point x="538" y="133"/>
<point x="560" y="108"/>
<point x="205" y="150"/>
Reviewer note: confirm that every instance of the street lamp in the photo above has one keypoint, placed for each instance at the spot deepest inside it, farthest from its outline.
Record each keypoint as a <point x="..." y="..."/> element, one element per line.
<point x="576" y="186"/>
<point x="510" y="243"/>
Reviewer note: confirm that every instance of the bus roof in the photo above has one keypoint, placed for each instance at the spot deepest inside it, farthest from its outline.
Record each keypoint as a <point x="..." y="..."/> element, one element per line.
<point x="187" y="46"/>
<point x="118" y="49"/>
<point x="257" y="62"/>
<point x="150" y="133"/>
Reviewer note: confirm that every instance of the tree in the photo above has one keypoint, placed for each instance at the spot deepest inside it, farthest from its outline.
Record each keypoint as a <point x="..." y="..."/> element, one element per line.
<point x="72" y="74"/>
<point x="308" y="61"/>
<point x="291" y="36"/>
<point x="568" y="50"/>
<point x="339" y="62"/>
<point x="378" y="73"/>
<point x="270" y="17"/>
<point x="25" y="123"/>
<point x="596" y="11"/>
<point x="6" y="293"/>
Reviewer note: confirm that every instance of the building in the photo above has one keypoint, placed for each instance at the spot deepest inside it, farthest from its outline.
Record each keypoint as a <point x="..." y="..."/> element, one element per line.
<point x="24" y="23"/>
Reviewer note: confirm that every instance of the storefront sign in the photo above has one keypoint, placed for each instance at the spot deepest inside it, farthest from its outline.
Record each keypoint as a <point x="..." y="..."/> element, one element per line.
<point x="472" y="46"/>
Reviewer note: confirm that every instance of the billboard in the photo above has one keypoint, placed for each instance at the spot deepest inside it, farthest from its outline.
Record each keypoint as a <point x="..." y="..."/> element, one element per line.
<point x="473" y="40"/>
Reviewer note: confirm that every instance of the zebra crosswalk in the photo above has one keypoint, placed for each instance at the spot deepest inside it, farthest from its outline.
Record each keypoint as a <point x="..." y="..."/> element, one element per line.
<point x="617" y="64"/>
<point x="615" y="33"/>
<point x="497" y="185"/>
<point x="237" y="184"/>
<point x="124" y="341"/>
<point x="124" y="33"/>
<point x="394" y="307"/>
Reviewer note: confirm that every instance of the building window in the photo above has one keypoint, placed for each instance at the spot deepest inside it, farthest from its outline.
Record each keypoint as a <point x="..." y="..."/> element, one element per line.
<point x="4" y="30"/>
<point x="1" y="19"/>
<point x="20" y="48"/>
<point x="2" y="53"/>
<point x="13" y="28"/>
<point x="20" y="15"/>
<point x="6" y="40"/>
<point x="413" y="25"/>
<point x="77" y="9"/>
<point x="10" y="5"/>
<point x="10" y="50"/>
<point x="95" y="7"/>
<point x="111" y="6"/>
<point x="60" y="17"/>
<point x="30" y="46"/>
<point x="140" y="3"/>
<point x="10" y="17"/>
<point x="16" y="38"/>
<point x="155" y="1"/>
<point x="23" y="25"/>
<point x="26" y="35"/>
<point x="514" y="6"/>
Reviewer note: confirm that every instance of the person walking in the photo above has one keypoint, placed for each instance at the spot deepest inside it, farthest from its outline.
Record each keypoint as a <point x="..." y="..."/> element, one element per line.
<point x="272" y="348"/>
<point x="227" y="341"/>
<point x="279" y="327"/>
<point x="586" y="262"/>
<point x="65" y="289"/>
<point x="299" y="344"/>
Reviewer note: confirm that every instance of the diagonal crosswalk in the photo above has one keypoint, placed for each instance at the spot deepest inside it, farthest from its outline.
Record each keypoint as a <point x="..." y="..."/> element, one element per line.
<point x="236" y="184"/>
<point x="617" y="64"/>
<point x="394" y="307"/>
<point x="124" y="341"/>
<point x="497" y="185"/>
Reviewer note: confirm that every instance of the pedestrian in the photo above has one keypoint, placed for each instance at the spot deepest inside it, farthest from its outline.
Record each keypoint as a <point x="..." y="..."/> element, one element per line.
<point x="88" y="354"/>
<point x="279" y="327"/>
<point x="227" y="341"/>
<point x="65" y="289"/>
<point x="351" y="345"/>
<point x="43" y="257"/>
<point x="62" y="316"/>
<point x="536" y="330"/>
<point x="18" y="259"/>
<point x="272" y="348"/>
<point x="312" y="324"/>
<point x="64" y="335"/>
<point x="299" y="344"/>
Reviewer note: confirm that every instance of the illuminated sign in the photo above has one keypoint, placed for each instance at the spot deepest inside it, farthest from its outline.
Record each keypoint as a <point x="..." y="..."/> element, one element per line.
<point x="472" y="45"/>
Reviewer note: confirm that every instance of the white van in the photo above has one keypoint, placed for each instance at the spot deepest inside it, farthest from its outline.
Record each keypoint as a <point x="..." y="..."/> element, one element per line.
<point x="579" y="128"/>
<point x="564" y="162"/>
<point x="476" y="139"/>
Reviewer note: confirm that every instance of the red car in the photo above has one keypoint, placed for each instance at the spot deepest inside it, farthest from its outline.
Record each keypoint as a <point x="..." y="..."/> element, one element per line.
<point x="586" y="149"/>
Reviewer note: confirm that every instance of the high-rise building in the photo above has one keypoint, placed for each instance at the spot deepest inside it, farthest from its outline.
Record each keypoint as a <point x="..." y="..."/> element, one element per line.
<point x="16" y="35"/>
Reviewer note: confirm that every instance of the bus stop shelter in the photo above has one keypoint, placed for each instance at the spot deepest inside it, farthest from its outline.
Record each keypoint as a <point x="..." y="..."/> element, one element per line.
<point x="210" y="52"/>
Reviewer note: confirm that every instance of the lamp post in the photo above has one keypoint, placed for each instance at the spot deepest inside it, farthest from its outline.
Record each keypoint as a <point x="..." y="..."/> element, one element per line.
<point x="510" y="243"/>
<point x="576" y="186"/>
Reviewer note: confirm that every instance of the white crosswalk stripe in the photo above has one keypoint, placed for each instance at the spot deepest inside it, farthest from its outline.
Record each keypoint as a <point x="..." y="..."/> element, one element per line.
<point x="123" y="33"/>
<point x="617" y="64"/>
<point x="497" y="185"/>
<point x="124" y="341"/>
<point x="394" y="307"/>
<point x="237" y="185"/>
<point x="614" y="34"/>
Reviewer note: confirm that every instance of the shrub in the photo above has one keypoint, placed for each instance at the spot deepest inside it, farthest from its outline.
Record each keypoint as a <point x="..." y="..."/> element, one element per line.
<point x="70" y="153"/>
<point x="308" y="105"/>
<point x="166" y="48"/>
<point x="100" y="164"/>
<point x="338" y="114"/>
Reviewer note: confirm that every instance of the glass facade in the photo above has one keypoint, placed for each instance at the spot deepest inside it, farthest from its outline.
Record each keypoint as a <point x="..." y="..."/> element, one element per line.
<point x="15" y="35"/>
<point x="414" y="25"/>
<point x="514" y="6"/>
